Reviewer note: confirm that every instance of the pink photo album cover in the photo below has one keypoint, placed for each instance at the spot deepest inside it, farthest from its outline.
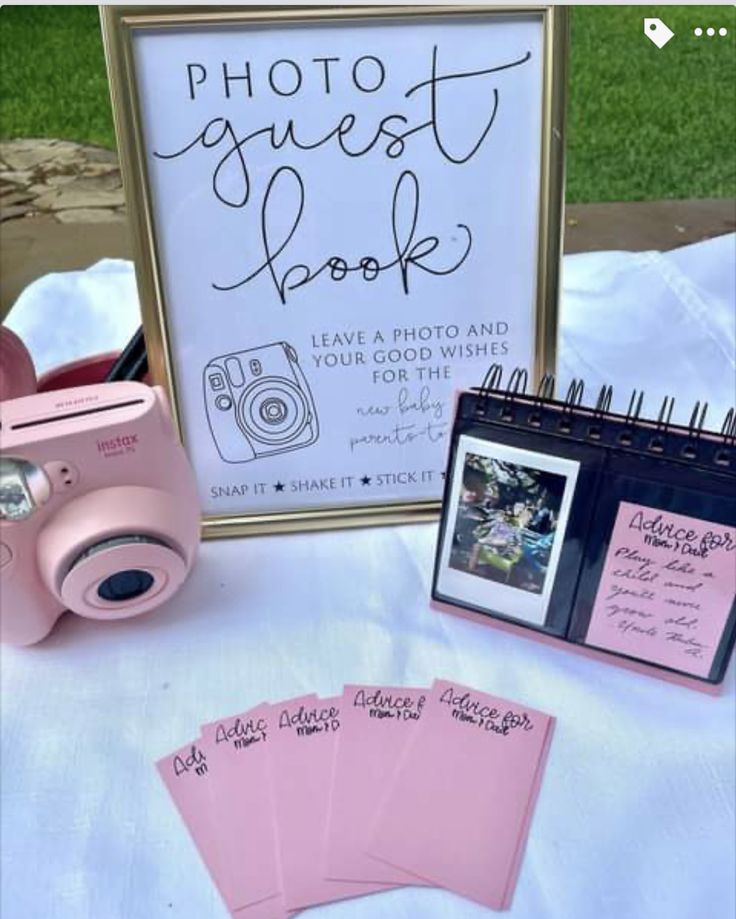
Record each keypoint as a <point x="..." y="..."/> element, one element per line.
<point x="458" y="811"/>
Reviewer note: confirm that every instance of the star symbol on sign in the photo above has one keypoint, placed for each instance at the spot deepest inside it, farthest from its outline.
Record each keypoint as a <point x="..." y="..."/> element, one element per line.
<point x="279" y="486"/>
<point x="366" y="480"/>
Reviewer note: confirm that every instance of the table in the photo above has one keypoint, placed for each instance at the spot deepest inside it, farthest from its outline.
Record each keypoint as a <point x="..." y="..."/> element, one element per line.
<point x="636" y="814"/>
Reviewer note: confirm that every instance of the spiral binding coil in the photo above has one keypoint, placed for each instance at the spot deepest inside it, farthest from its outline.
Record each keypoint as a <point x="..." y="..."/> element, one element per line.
<point x="516" y="386"/>
<point x="689" y="450"/>
<point x="728" y="428"/>
<point x="602" y="407"/>
<point x="491" y="381"/>
<point x="546" y="388"/>
<point x="633" y="413"/>
<point x="631" y="423"/>
<point x="695" y="427"/>
<point x="635" y="405"/>
<point x="573" y="399"/>
<point x="545" y="393"/>
<point x="657" y="441"/>
<point x="518" y="382"/>
<point x="603" y="402"/>
<point x="575" y="393"/>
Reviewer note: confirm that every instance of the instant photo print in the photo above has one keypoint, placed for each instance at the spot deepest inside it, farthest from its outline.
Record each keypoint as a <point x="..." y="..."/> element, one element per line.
<point x="508" y="513"/>
<point x="611" y="533"/>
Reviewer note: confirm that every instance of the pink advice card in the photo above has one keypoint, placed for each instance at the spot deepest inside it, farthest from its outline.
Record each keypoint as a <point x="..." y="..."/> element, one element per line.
<point x="301" y="752"/>
<point x="186" y="774"/>
<point x="241" y="808"/>
<point x="375" y="725"/>
<point x="667" y="589"/>
<point x="459" y="808"/>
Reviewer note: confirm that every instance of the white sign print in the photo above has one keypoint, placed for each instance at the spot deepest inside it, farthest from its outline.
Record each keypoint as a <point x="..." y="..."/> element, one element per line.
<point x="347" y="221"/>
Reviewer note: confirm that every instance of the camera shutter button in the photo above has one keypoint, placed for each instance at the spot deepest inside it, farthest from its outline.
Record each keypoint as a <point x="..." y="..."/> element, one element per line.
<point x="224" y="403"/>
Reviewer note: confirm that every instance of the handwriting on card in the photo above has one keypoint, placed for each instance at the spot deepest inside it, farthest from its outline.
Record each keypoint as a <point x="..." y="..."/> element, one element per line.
<point x="467" y="709"/>
<point x="193" y="761"/>
<point x="666" y="590"/>
<point x="385" y="704"/>
<point x="241" y="734"/>
<point x="308" y="720"/>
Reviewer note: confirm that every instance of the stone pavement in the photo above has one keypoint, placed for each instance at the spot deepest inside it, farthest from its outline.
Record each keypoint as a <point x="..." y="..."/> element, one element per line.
<point x="62" y="207"/>
<point x="71" y="182"/>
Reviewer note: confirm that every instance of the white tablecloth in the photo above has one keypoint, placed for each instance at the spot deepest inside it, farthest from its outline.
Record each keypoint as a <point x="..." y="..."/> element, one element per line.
<point x="636" y="814"/>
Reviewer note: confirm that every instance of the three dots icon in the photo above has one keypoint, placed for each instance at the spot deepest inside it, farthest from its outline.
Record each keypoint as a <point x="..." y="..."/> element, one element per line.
<point x="710" y="32"/>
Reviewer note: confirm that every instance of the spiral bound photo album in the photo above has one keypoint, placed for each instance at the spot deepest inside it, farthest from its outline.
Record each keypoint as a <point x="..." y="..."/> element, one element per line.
<point x="605" y="532"/>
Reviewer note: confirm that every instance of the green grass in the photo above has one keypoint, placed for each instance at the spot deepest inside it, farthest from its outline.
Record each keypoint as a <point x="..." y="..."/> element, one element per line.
<point x="645" y="123"/>
<point x="53" y="81"/>
<point x="642" y="123"/>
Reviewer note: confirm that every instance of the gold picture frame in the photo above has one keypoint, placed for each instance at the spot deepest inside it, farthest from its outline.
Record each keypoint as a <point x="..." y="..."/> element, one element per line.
<point x="121" y="26"/>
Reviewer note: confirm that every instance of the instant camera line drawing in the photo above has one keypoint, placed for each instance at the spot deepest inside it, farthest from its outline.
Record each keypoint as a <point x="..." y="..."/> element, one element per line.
<point x="258" y="403"/>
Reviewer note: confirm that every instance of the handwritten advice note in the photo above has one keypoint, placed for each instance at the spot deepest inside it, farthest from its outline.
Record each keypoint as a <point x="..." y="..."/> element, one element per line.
<point x="333" y="207"/>
<point x="667" y="588"/>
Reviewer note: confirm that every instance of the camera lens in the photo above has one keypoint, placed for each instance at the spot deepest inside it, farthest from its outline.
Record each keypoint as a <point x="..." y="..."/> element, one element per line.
<point x="118" y="552"/>
<point x="125" y="585"/>
<point x="273" y="411"/>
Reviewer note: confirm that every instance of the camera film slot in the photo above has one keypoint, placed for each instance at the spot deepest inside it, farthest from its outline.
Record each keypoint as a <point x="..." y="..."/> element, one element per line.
<point x="52" y="419"/>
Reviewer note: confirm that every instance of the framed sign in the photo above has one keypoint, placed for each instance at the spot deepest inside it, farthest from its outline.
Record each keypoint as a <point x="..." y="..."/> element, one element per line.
<point x="341" y="216"/>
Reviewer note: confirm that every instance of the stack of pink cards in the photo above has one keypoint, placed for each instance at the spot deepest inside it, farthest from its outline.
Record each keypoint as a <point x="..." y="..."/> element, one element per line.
<point x="314" y="800"/>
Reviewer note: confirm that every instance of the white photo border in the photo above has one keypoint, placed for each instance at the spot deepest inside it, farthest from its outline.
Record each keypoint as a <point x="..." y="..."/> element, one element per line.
<point x="456" y="586"/>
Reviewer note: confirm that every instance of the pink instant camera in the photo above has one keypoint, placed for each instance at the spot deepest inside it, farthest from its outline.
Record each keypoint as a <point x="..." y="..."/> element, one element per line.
<point x="99" y="512"/>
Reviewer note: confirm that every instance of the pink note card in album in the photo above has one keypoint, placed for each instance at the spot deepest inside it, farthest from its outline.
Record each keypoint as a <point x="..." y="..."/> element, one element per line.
<point x="458" y="810"/>
<point x="667" y="589"/>
<point x="375" y="725"/>
<point x="241" y="808"/>
<point x="186" y="774"/>
<point x="301" y="752"/>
